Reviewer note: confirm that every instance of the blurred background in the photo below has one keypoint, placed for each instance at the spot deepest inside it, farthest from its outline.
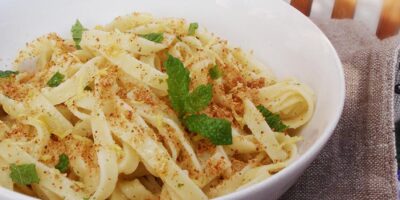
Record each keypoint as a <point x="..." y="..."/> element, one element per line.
<point x="381" y="16"/>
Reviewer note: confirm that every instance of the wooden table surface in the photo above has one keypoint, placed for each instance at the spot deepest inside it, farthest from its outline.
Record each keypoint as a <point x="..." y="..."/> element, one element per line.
<point x="389" y="21"/>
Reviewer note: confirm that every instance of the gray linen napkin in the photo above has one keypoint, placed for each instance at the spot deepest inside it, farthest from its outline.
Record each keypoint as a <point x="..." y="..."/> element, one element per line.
<point x="359" y="160"/>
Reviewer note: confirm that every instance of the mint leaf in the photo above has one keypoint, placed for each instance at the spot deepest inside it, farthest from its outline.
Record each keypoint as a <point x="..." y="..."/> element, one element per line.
<point x="274" y="120"/>
<point x="77" y="30"/>
<point x="24" y="174"/>
<point x="55" y="80"/>
<point x="178" y="83"/>
<point x="198" y="99"/>
<point x="218" y="131"/>
<point x="155" y="37"/>
<point x="63" y="163"/>
<point x="7" y="73"/>
<point x="192" y="28"/>
<point x="178" y="89"/>
<point x="214" y="72"/>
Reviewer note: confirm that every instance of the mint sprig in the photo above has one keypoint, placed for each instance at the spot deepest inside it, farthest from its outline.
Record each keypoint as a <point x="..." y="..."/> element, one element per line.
<point x="214" y="72"/>
<point x="218" y="131"/>
<point x="155" y="37"/>
<point x="178" y="89"/>
<point x="273" y="120"/>
<point x="55" y="80"/>
<point x="63" y="163"/>
<point x="186" y="104"/>
<point x="24" y="174"/>
<point x="7" y="73"/>
<point x="178" y="83"/>
<point x="192" y="28"/>
<point x="77" y="29"/>
<point x="198" y="99"/>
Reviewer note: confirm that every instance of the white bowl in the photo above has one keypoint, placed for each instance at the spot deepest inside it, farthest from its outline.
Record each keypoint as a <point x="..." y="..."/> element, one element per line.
<point x="280" y="36"/>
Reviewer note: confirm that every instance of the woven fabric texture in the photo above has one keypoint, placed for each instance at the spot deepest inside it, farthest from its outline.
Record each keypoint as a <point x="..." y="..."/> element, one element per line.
<point x="359" y="160"/>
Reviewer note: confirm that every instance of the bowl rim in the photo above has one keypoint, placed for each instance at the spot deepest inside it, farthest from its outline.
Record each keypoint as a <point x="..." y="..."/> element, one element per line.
<point x="303" y="160"/>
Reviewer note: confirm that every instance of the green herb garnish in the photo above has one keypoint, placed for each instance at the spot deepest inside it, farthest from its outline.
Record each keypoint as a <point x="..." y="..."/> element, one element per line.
<point x="186" y="104"/>
<point x="7" y="73"/>
<point x="178" y="83"/>
<point x="63" y="163"/>
<point x="198" y="99"/>
<point x="192" y="28"/>
<point x="219" y="131"/>
<point x="24" y="174"/>
<point x="178" y="89"/>
<point x="77" y="30"/>
<point x="273" y="120"/>
<point x="55" y="80"/>
<point x="155" y="37"/>
<point x="214" y="72"/>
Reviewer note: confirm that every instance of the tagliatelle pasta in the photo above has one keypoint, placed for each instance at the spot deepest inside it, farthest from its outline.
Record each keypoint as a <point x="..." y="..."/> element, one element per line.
<point x="144" y="108"/>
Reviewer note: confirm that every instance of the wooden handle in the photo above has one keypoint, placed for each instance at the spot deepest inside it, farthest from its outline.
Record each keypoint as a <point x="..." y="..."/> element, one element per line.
<point x="303" y="6"/>
<point x="344" y="9"/>
<point x="389" y="23"/>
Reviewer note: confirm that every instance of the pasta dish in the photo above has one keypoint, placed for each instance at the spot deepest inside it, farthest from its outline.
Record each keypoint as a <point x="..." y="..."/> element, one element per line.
<point x="144" y="108"/>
